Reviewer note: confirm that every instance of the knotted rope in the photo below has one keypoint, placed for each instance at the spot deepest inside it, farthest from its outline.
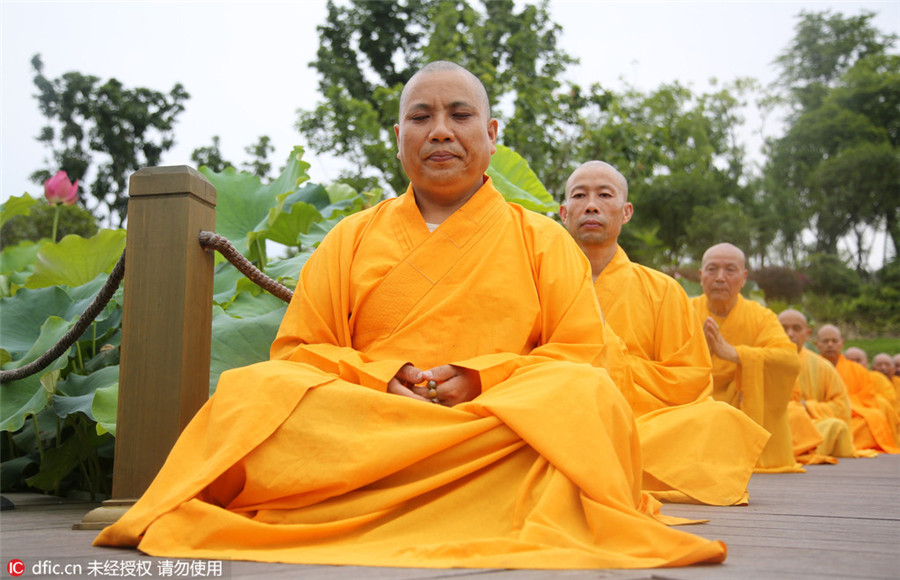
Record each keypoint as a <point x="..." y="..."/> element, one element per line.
<point x="208" y="240"/>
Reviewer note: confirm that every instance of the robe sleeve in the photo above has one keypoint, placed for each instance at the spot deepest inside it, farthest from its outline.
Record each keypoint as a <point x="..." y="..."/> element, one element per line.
<point x="315" y="328"/>
<point x="680" y="371"/>
<point x="835" y="401"/>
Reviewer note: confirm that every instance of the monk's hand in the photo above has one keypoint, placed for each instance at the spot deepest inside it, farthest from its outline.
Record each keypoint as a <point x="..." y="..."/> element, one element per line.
<point x="404" y="382"/>
<point x="449" y="385"/>
<point x="718" y="346"/>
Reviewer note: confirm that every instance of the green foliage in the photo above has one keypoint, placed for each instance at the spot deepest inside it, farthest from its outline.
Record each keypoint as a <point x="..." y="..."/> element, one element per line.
<point x="779" y="283"/>
<point x="107" y="128"/>
<point x="829" y="276"/>
<point x="211" y="157"/>
<point x="37" y="223"/>
<point x="837" y="168"/>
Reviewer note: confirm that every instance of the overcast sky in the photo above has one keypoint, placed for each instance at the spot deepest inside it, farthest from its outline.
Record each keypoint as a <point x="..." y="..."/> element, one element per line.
<point x="245" y="64"/>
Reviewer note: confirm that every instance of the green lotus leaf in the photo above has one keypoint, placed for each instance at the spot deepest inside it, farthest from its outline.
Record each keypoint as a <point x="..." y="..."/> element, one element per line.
<point x="243" y="202"/>
<point x="16" y="206"/>
<point x="289" y="223"/>
<point x="240" y="342"/>
<point x="515" y="180"/>
<point x="21" y="399"/>
<point x="24" y="313"/>
<point x="340" y="192"/>
<point x="20" y="258"/>
<point x="75" y="260"/>
<point x="104" y="408"/>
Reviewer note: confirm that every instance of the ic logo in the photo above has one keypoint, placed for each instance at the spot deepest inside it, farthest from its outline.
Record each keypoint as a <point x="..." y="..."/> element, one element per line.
<point x="15" y="567"/>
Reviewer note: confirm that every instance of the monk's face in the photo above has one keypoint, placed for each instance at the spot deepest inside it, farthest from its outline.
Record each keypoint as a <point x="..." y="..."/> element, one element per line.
<point x="829" y="343"/>
<point x="722" y="274"/>
<point x="445" y="137"/>
<point x="897" y="364"/>
<point x="883" y="364"/>
<point x="596" y="205"/>
<point x="794" y="325"/>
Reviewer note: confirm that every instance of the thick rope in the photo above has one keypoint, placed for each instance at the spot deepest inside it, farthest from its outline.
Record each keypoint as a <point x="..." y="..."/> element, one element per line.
<point x="223" y="246"/>
<point x="74" y="333"/>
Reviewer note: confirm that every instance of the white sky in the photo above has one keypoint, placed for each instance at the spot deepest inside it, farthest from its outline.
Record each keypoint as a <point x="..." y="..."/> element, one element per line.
<point x="245" y="64"/>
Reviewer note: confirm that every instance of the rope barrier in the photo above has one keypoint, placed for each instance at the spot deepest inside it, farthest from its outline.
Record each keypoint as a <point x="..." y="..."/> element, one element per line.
<point x="208" y="240"/>
<point x="223" y="246"/>
<point x="74" y="333"/>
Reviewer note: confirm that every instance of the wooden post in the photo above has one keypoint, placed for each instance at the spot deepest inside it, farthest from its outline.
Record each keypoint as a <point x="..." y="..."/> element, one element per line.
<point x="166" y="327"/>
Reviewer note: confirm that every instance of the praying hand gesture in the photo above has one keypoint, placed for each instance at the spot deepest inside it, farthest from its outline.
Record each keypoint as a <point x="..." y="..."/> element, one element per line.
<point x="718" y="346"/>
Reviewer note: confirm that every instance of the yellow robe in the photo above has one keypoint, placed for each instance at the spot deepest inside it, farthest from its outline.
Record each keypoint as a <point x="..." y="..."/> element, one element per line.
<point x="306" y="459"/>
<point x="887" y="398"/>
<point x="762" y="383"/>
<point x="694" y="449"/>
<point x="870" y="425"/>
<point x="820" y="396"/>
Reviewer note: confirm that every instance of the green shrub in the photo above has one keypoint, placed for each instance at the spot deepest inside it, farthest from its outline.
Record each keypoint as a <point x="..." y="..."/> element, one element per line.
<point x="827" y="275"/>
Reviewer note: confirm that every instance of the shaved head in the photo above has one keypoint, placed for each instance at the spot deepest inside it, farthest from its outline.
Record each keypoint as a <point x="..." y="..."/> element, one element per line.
<point x="621" y="182"/>
<point x="727" y="250"/>
<point x="857" y="355"/>
<point x="796" y="327"/>
<point x="447" y="66"/>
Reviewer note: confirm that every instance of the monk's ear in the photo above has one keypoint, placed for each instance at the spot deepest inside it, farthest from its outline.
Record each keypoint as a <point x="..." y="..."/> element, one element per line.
<point x="493" y="129"/>
<point x="563" y="214"/>
<point x="629" y="211"/>
<point x="397" y="137"/>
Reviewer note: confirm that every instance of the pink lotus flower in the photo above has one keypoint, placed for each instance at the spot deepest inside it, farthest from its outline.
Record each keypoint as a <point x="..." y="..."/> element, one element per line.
<point x="58" y="189"/>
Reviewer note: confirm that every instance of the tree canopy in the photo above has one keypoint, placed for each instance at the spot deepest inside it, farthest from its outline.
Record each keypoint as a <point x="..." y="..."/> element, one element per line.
<point x="107" y="128"/>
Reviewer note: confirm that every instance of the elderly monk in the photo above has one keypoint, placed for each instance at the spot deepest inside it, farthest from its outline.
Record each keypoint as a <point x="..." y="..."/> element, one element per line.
<point x="884" y="388"/>
<point x="869" y="423"/>
<point x="819" y="398"/>
<point x="405" y="419"/>
<point x="710" y="462"/>
<point x="755" y="364"/>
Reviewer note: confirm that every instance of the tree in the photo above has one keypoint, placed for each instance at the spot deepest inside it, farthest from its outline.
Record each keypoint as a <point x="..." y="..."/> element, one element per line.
<point x="259" y="157"/>
<point x="836" y="168"/>
<point x="105" y="128"/>
<point x="211" y="156"/>
<point x="369" y="49"/>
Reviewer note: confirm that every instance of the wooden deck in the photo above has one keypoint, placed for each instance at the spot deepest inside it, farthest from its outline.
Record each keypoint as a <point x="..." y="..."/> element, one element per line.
<point x="835" y="521"/>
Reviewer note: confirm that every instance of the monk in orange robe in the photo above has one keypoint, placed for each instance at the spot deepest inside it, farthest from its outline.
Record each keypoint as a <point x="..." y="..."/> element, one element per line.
<point x="754" y="363"/>
<point x="869" y="423"/>
<point x="884" y="388"/>
<point x="819" y="400"/>
<point x="666" y="353"/>
<point x="883" y="363"/>
<point x="406" y="418"/>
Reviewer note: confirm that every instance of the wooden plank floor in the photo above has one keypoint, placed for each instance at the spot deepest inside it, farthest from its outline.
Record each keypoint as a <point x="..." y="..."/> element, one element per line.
<point x="835" y="522"/>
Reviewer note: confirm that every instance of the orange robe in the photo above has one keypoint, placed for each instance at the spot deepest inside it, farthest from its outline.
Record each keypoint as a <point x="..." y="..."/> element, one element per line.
<point x="306" y="459"/>
<point x="762" y="383"/>
<point x="820" y="397"/>
<point x="694" y="449"/>
<point x="871" y="428"/>
<point x="887" y="396"/>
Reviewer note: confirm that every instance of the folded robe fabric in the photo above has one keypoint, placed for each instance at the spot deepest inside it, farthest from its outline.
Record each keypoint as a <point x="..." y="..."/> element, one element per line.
<point x="306" y="458"/>
<point x="762" y="383"/>
<point x="695" y="449"/>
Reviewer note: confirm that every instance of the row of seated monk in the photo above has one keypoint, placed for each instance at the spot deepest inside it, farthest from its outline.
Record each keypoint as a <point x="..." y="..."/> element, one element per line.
<point x="459" y="382"/>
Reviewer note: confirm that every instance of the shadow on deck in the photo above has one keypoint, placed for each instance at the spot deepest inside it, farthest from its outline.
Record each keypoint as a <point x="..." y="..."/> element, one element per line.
<point x="835" y="521"/>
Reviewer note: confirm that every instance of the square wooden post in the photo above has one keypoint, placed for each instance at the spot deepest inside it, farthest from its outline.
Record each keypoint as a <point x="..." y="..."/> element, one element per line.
<point x="166" y="327"/>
